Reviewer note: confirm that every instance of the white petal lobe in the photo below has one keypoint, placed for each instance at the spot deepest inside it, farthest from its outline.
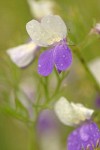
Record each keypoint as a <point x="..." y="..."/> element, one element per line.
<point x="52" y="29"/>
<point x="22" y="55"/>
<point x="55" y="25"/>
<point x="71" y="114"/>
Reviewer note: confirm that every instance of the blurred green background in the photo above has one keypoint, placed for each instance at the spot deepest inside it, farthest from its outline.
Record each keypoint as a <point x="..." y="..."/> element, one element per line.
<point x="80" y="17"/>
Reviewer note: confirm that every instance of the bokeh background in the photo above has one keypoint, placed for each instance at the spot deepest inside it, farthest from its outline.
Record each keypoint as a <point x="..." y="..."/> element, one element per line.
<point x="80" y="17"/>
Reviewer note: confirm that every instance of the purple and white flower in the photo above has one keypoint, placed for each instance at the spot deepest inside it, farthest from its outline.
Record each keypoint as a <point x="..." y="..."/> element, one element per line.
<point x="51" y="32"/>
<point x="87" y="135"/>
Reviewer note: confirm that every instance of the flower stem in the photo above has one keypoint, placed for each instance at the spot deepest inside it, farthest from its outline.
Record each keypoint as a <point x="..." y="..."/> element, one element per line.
<point x="83" y="62"/>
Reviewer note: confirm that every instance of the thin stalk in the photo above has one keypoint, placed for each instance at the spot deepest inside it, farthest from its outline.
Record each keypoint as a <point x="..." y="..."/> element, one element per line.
<point x="84" y="64"/>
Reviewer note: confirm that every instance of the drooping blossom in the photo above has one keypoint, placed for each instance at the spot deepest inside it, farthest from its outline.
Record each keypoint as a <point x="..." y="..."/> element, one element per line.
<point x="41" y="8"/>
<point x="94" y="66"/>
<point x="48" y="131"/>
<point x="51" y="32"/>
<point x="24" y="54"/>
<point x="86" y="136"/>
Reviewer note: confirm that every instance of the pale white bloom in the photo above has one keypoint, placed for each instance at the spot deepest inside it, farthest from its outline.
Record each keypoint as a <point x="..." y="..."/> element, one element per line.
<point x="71" y="114"/>
<point x="96" y="29"/>
<point x="22" y="55"/>
<point x="41" y="8"/>
<point x="94" y="66"/>
<point x="52" y="29"/>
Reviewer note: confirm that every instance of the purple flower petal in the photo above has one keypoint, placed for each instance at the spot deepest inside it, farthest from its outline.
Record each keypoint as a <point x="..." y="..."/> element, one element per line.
<point x="86" y="136"/>
<point x="62" y="56"/>
<point x="45" y="64"/>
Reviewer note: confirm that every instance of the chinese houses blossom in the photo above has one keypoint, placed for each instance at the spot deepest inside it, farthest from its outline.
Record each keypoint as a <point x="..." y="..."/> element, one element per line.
<point x="51" y="32"/>
<point x="87" y="135"/>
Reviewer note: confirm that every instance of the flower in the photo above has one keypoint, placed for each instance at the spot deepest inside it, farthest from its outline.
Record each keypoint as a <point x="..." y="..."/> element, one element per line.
<point x="96" y="29"/>
<point x="45" y="5"/>
<point x="94" y="66"/>
<point x="23" y="55"/>
<point x="50" y="32"/>
<point x="86" y="137"/>
<point x="71" y="114"/>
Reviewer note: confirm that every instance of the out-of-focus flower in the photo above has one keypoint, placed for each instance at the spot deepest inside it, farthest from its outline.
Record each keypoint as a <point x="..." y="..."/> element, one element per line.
<point x="70" y="113"/>
<point x="48" y="131"/>
<point x="94" y="66"/>
<point x="41" y="8"/>
<point x="23" y="55"/>
<point x="97" y="101"/>
<point x="52" y="32"/>
<point x="87" y="135"/>
<point x="96" y="29"/>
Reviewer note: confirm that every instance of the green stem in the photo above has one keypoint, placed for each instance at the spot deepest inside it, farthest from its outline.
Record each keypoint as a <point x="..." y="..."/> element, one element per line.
<point x="32" y="137"/>
<point x="83" y="62"/>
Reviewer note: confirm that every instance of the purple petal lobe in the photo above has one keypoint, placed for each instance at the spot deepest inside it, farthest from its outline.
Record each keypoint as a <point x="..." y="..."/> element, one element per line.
<point x="62" y="56"/>
<point x="86" y="136"/>
<point x="45" y="63"/>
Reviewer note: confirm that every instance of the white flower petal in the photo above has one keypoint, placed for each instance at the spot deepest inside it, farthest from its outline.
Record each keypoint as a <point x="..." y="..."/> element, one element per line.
<point x="52" y="29"/>
<point x="55" y="25"/>
<point x="94" y="66"/>
<point x="41" y="8"/>
<point x="22" y="55"/>
<point x="38" y="34"/>
<point x="71" y="114"/>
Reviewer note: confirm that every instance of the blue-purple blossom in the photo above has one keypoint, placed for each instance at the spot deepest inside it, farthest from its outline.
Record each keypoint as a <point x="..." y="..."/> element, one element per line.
<point x="59" y="56"/>
<point x="85" y="137"/>
<point x="51" y="32"/>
